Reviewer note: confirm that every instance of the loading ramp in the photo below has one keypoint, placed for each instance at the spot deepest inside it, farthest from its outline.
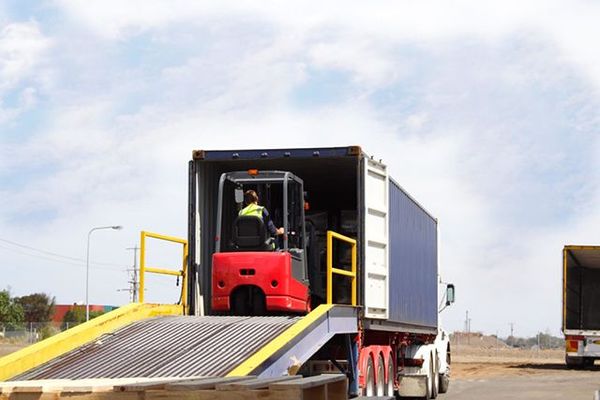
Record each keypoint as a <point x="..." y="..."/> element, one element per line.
<point x="189" y="346"/>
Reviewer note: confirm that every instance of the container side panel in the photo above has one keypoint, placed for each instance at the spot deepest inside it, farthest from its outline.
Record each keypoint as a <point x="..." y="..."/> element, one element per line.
<point x="582" y="288"/>
<point x="413" y="262"/>
<point x="207" y="189"/>
<point x="376" y="240"/>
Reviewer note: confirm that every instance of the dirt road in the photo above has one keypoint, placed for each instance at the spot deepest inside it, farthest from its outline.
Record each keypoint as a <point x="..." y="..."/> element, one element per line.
<point x="7" y="348"/>
<point x="498" y="374"/>
<point x="527" y="382"/>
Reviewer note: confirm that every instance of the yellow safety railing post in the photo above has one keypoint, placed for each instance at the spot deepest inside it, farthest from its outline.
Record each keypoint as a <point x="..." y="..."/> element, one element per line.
<point x="354" y="282"/>
<point x="329" y="267"/>
<point x="142" y="265"/>
<point x="331" y="270"/>
<point x="184" y="279"/>
<point x="164" y="271"/>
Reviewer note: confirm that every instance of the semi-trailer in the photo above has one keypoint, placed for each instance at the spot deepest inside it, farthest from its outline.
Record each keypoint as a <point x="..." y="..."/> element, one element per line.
<point x="351" y="286"/>
<point x="329" y="201"/>
<point x="581" y="305"/>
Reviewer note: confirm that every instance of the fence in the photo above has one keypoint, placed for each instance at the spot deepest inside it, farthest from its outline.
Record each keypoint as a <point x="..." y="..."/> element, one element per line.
<point x="32" y="332"/>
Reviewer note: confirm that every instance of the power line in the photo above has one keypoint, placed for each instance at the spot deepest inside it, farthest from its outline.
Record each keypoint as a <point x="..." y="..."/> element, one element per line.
<point x="81" y="260"/>
<point x="38" y="256"/>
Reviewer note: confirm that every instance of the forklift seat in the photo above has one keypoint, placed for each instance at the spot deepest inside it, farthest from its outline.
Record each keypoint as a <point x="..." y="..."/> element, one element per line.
<point x="250" y="234"/>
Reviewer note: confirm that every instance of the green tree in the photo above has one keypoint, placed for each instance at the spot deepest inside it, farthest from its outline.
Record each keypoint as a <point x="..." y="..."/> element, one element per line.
<point x="37" y="307"/>
<point x="11" y="312"/>
<point x="76" y="316"/>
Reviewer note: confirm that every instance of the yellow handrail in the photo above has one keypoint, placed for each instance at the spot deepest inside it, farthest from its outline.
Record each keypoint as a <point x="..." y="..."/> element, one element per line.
<point x="163" y="271"/>
<point x="331" y="270"/>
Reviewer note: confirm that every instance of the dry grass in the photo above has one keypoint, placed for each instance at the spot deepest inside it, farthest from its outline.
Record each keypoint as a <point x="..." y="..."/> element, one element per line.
<point x="470" y="354"/>
<point x="7" y="348"/>
<point x="483" y="357"/>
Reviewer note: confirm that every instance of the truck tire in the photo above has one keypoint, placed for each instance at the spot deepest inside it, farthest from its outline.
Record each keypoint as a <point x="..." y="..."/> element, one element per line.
<point x="430" y="377"/>
<point x="444" y="383"/>
<point x="369" y="389"/>
<point x="574" y="362"/>
<point x="380" y="377"/>
<point x="433" y="367"/>
<point x="389" y="384"/>
<point x="444" y="378"/>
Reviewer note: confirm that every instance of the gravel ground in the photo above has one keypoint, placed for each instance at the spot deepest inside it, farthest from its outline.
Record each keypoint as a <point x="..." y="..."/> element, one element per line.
<point x="551" y="382"/>
<point x="7" y="348"/>
<point x="485" y="372"/>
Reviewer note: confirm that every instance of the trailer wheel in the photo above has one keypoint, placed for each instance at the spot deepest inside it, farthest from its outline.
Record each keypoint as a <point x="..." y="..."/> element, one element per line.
<point x="389" y="387"/>
<point x="433" y="368"/>
<point x="430" y="379"/>
<point x="574" y="362"/>
<point x="369" y="389"/>
<point x="380" y="376"/>
<point x="445" y="377"/>
<point x="444" y="383"/>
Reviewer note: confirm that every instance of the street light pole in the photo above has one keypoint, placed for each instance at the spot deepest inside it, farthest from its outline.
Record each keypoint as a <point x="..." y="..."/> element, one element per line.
<point x="87" y="268"/>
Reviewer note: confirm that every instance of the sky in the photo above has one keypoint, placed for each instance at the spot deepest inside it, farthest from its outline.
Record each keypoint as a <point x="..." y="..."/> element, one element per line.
<point x="486" y="112"/>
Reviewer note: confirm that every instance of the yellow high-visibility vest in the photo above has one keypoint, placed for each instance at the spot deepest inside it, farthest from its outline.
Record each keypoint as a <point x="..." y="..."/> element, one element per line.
<point x="253" y="210"/>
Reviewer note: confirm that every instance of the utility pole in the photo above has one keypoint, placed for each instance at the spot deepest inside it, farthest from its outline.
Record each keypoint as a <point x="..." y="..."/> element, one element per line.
<point x="468" y="327"/>
<point x="134" y="281"/>
<point x="512" y="338"/>
<point x="496" y="346"/>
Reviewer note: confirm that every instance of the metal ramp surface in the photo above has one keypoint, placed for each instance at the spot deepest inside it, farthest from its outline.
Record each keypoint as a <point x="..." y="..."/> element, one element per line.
<point x="188" y="346"/>
<point x="173" y="346"/>
<point x="42" y="352"/>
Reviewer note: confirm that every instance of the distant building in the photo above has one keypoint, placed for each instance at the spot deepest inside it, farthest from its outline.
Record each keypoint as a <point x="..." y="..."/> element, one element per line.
<point x="61" y="309"/>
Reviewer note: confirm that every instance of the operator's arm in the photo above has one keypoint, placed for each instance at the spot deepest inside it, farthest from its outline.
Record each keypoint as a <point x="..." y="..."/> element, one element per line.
<point x="270" y="225"/>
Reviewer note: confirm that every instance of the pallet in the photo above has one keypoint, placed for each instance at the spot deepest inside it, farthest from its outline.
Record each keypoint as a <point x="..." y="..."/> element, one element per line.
<point x="321" y="387"/>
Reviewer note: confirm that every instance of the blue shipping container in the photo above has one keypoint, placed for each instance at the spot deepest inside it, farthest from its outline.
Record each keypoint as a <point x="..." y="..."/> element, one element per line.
<point x="413" y="262"/>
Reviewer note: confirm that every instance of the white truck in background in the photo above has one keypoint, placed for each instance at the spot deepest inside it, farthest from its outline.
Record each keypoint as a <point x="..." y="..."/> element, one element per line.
<point x="581" y="305"/>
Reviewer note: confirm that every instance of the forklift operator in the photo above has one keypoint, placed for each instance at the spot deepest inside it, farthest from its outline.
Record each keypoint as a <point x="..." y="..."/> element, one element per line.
<point x="252" y="208"/>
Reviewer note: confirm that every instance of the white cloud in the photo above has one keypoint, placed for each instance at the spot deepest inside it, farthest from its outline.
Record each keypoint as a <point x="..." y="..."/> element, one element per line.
<point x="350" y="54"/>
<point x="571" y="24"/>
<point x="21" y="46"/>
<point x="473" y="106"/>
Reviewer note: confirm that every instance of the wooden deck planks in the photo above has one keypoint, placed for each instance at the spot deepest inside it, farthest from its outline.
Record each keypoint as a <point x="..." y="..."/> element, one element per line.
<point x="322" y="387"/>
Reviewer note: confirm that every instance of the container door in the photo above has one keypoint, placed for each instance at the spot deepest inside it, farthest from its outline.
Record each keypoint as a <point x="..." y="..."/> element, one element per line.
<point x="376" y="239"/>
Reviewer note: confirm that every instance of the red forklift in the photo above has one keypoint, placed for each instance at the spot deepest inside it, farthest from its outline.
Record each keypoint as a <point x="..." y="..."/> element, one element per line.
<point x="253" y="272"/>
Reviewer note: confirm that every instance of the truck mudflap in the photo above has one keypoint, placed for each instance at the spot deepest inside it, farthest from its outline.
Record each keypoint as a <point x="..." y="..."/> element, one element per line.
<point x="412" y="386"/>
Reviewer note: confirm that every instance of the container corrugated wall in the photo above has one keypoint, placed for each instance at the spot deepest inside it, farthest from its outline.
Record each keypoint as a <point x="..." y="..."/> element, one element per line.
<point x="413" y="261"/>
